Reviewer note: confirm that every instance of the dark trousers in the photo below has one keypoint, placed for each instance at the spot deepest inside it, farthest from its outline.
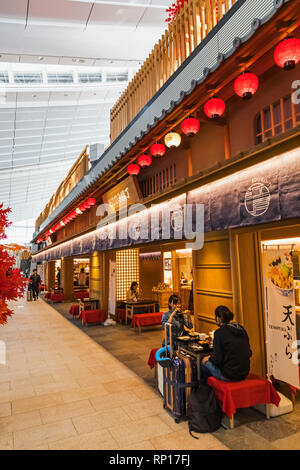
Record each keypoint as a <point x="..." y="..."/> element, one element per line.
<point x="35" y="291"/>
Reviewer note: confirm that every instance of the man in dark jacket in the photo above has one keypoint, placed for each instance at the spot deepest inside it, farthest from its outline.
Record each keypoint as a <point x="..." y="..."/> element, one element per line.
<point x="230" y="360"/>
<point x="35" y="281"/>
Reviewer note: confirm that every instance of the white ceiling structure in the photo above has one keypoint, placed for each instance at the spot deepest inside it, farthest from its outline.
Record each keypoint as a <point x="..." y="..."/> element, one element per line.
<point x="45" y="125"/>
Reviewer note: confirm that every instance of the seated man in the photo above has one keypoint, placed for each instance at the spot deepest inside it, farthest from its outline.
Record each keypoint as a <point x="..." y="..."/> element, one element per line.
<point x="180" y="322"/>
<point x="230" y="360"/>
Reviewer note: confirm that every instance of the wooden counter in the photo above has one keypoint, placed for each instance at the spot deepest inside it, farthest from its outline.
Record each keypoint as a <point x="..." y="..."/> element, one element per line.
<point x="162" y="297"/>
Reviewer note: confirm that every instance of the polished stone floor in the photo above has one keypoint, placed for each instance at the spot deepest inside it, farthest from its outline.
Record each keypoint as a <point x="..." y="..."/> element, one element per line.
<point x="60" y="389"/>
<point x="68" y="387"/>
<point x="252" y="430"/>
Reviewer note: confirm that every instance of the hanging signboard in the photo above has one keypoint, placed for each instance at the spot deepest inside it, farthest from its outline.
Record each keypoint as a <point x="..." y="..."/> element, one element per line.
<point x="282" y="351"/>
<point x="127" y="191"/>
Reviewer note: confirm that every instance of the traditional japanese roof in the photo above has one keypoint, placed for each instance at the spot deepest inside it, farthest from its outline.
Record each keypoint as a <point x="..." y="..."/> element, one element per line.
<point x="238" y="25"/>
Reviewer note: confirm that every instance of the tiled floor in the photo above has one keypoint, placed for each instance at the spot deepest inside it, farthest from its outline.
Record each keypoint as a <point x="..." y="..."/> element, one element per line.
<point x="59" y="389"/>
<point x="65" y="387"/>
<point x="252" y="430"/>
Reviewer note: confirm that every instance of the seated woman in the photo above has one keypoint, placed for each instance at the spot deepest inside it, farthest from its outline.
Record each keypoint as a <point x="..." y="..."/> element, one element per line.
<point x="230" y="360"/>
<point x="180" y="322"/>
<point x="133" y="293"/>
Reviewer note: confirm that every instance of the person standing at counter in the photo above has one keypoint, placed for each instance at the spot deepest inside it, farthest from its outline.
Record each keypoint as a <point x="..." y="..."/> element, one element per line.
<point x="82" y="278"/>
<point x="58" y="277"/>
<point x="230" y="360"/>
<point x="180" y="322"/>
<point x="133" y="293"/>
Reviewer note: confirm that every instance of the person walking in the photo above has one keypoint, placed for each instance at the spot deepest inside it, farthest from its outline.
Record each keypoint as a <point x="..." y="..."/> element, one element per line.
<point x="35" y="280"/>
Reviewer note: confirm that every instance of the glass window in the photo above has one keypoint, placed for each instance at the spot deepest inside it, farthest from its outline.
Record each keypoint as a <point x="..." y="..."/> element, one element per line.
<point x="60" y="77"/>
<point x="267" y="123"/>
<point x="4" y="77"/>
<point x="28" y="77"/>
<point x="90" y="77"/>
<point x="277" y="118"/>
<point x="117" y="77"/>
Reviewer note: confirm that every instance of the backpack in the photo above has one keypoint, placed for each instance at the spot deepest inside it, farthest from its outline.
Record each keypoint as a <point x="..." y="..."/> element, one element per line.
<point x="203" y="411"/>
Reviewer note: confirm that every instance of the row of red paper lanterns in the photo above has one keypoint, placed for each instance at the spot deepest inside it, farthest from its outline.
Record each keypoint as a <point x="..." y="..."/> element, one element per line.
<point x="71" y="216"/>
<point x="286" y="56"/>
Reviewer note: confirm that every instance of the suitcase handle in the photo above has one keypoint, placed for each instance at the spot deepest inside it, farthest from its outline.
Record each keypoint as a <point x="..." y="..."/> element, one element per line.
<point x="163" y="361"/>
<point x="168" y="327"/>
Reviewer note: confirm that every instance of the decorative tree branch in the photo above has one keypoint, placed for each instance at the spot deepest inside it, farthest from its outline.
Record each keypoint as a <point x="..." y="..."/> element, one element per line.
<point x="12" y="285"/>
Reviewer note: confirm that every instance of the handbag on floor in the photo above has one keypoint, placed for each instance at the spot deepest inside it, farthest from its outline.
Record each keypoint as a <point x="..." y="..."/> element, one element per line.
<point x="203" y="410"/>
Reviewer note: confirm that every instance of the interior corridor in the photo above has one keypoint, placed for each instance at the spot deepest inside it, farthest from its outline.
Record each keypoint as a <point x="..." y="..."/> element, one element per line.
<point x="62" y="390"/>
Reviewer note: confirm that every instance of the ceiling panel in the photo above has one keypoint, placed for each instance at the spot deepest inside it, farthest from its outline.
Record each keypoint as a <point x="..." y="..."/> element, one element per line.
<point x="13" y="10"/>
<point x="58" y="11"/>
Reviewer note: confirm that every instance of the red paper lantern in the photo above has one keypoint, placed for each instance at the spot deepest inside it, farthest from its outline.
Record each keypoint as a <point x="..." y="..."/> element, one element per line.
<point x="214" y="108"/>
<point x="91" y="201"/>
<point x="86" y="205"/>
<point x="133" y="169"/>
<point x="190" y="126"/>
<point x="157" y="150"/>
<point x="287" y="53"/>
<point x="144" y="160"/>
<point x="82" y="207"/>
<point x="246" y="84"/>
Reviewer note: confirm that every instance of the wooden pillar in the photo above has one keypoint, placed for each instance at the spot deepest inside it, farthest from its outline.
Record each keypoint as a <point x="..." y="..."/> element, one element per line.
<point x="66" y="277"/>
<point x="189" y="161"/>
<point x="248" y="296"/>
<point x="50" y="275"/>
<point x="96" y="276"/>
<point x="227" y="144"/>
<point x="211" y="279"/>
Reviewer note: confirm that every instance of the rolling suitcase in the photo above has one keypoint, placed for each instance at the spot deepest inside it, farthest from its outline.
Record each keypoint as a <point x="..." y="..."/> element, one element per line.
<point x="179" y="378"/>
<point x="29" y="295"/>
<point x="191" y="375"/>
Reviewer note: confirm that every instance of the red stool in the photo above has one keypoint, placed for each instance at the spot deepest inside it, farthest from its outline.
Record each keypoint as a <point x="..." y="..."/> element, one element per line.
<point x="48" y="295"/>
<point x="74" y="310"/>
<point x="57" y="297"/>
<point x="121" y="314"/>
<point x="254" y="390"/>
<point x="152" y="361"/>
<point x="92" y="316"/>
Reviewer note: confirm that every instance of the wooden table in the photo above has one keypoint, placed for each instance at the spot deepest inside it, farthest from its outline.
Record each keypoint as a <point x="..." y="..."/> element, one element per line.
<point x="132" y="306"/>
<point x="196" y="355"/>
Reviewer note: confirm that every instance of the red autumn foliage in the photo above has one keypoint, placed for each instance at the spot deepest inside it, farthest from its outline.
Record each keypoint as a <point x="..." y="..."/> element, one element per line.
<point x="12" y="285"/>
<point x="174" y="9"/>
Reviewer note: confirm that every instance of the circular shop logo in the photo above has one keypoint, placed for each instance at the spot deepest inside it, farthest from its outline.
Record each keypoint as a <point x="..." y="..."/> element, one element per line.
<point x="257" y="199"/>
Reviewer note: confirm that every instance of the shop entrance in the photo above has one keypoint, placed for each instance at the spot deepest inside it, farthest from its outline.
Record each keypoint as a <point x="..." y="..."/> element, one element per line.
<point x="81" y="274"/>
<point x="159" y="271"/>
<point x="281" y="261"/>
